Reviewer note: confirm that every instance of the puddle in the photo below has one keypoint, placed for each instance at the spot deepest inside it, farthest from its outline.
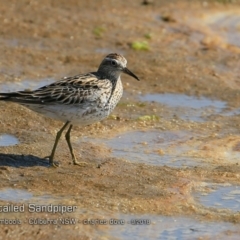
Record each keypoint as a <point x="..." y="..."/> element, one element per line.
<point x="155" y="227"/>
<point x="162" y="227"/>
<point x="15" y="195"/>
<point x="187" y="107"/>
<point x="220" y="196"/>
<point x="8" y="140"/>
<point x="153" y="147"/>
<point x="24" y="84"/>
<point x="180" y="100"/>
<point x="20" y="195"/>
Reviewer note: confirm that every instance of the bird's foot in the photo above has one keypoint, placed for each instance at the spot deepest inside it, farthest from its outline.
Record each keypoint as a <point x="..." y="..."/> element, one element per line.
<point x="54" y="164"/>
<point x="51" y="162"/>
<point x="75" y="161"/>
<point x="81" y="164"/>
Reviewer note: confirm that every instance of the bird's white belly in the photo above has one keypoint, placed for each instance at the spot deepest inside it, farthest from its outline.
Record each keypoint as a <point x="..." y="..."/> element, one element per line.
<point x="75" y="114"/>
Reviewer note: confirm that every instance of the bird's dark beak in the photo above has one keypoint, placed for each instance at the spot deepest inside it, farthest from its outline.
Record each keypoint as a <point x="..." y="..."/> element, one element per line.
<point x="127" y="71"/>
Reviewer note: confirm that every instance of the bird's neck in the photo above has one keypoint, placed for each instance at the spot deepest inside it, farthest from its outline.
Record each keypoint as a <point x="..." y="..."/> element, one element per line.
<point x="114" y="76"/>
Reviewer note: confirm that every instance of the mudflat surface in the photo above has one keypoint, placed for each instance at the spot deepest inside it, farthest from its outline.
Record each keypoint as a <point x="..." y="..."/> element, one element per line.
<point x="173" y="139"/>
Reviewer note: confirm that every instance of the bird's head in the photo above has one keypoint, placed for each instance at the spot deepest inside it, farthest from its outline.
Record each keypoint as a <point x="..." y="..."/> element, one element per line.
<point x="113" y="65"/>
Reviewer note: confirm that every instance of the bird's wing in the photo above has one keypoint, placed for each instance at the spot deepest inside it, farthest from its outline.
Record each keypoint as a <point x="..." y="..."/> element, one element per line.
<point x="71" y="90"/>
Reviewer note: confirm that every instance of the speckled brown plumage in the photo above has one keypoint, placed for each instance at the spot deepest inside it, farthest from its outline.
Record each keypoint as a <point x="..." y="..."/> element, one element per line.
<point x="80" y="100"/>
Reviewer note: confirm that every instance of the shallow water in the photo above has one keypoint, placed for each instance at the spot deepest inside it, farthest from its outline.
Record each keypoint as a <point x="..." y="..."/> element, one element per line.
<point x="170" y="148"/>
<point x="15" y="195"/>
<point x="20" y="195"/>
<point x="181" y="100"/>
<point x="153" y="147"/>
<point x="220" y="196"/>
<point x="163" y="227"/>
<point x="8" y="140"/>
<point x="187" y="107"/>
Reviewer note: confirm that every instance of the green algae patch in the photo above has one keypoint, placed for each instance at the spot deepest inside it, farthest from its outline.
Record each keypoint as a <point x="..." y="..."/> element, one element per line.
<point x="148" y="118"/>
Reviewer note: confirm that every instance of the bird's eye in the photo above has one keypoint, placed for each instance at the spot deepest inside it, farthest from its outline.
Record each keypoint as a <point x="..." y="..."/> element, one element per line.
<point x="113" y="63"/>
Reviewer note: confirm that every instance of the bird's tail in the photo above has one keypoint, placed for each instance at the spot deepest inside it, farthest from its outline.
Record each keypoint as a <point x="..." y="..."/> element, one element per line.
<point x="11" y="96"/>
<point x="4" y="96"/>
<point x="19" y="97"/>
<point x="8" y="96"/>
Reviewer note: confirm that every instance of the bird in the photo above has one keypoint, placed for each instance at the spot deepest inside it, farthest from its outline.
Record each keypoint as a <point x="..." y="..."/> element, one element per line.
<point x="79" y="100"/>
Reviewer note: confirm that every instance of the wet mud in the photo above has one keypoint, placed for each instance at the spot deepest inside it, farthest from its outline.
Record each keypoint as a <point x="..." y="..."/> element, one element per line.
<point x="167" y="156"/>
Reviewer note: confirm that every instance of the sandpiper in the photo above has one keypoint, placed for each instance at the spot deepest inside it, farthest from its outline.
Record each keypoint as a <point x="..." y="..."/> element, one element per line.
<point x="80" y="100"/>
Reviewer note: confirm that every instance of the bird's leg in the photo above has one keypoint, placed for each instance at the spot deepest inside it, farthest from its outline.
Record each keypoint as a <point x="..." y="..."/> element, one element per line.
<point x="58" y="136"/>
<point x="67" y="136"/>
